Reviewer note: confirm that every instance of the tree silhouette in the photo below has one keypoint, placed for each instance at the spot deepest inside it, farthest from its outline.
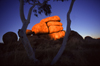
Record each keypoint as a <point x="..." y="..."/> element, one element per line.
<point x="42" y="7"/>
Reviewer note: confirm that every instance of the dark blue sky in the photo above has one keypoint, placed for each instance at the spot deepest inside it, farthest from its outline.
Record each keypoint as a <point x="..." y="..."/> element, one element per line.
<point x="85" y="16"/>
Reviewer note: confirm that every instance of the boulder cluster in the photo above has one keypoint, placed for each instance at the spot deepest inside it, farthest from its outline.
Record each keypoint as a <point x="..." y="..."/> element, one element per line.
<point x="50" y="26"/>
<point x="78" y="51"/>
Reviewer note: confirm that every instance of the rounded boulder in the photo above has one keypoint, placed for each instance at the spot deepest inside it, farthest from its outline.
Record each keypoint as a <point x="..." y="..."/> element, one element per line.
<point x="9" y="37"/>
<point x="74" y="38"/>
<point x="88" y="38"/>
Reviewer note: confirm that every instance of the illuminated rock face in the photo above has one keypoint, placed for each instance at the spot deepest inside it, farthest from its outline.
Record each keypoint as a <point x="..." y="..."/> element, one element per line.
<point x="53" y="29"/>
<point x="40" y="28"/>
<point x="50" y="26"/>
<point x="57" y="35"/>
<point x="52" y="23"/>
<point x="53" y="18"/>
<point x="9" y="37"/>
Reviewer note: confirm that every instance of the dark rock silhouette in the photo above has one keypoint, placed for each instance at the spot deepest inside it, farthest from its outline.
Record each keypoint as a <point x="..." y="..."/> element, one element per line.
<point x="74" y="38"/>
<point x="2" y="48"/>
<point x="88" y="38"/>
<point x="9" y="37"/>
<point x="91" y="40"/>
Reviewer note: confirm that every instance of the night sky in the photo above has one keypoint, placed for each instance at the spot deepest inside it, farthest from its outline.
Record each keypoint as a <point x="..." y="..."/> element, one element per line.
<point x="85" y="16"/>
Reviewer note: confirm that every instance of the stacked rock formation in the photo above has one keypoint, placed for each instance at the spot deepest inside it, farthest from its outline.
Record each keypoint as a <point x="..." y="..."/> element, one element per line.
<point x="51" y="26"/>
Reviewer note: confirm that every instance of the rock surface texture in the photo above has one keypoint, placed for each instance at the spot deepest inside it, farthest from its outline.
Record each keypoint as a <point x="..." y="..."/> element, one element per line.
<point x="74" y="38"/>
<point x="28" y="32"/>
<point x="9" y="37"/>
<point x="50" y="26"/>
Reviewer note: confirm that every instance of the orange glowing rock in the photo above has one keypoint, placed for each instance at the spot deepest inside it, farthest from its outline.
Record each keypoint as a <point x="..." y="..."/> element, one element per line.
<point x="53" y="29"/>
<point x="28" y="32"/>
<point x="49" y="25"/>
<point x="53" y="18"/>
<point x="40" y="28"/>
<point x="54" y="23"/>
<point x="57" y="35"/>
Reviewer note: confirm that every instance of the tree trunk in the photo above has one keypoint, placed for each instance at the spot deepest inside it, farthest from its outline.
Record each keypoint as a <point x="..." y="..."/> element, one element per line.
<point x="68" y="29"/>
<point x="22" y="31"/>
<point x="26" y="43"/>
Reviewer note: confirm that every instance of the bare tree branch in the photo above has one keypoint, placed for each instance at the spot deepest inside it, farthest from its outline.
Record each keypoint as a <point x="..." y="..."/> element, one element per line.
<point x="30" y="3"/>
<point x="30" y="10"/>
<point x="22" y="16"/>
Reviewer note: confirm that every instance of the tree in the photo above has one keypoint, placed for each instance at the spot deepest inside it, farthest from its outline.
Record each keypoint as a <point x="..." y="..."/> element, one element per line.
<point x="68" y="29"/>
<point x="43" y="7"/>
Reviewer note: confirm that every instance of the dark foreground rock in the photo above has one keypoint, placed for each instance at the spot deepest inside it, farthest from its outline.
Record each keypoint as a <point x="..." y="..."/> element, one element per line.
<point x="9" y="37"/>
<point x="79" y="52"/>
